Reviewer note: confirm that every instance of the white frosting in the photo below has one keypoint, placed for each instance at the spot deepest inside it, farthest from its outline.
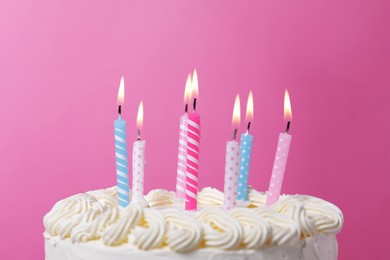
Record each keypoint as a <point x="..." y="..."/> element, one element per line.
<point x="185" y="232"/>
<point x="221" y="230"/>
<point x="93" y="217"/>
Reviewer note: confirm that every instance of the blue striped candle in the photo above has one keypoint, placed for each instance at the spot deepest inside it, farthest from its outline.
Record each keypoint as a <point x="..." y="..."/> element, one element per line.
<point x="122" y="169"/>
<point x="245" y="157"/>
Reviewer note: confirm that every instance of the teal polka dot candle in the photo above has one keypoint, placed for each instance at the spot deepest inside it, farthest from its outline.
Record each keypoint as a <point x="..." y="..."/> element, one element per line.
<point x="245" y="153"/>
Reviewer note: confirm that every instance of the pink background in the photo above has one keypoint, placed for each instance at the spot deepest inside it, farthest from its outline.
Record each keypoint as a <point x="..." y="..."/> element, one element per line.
<point x="60" y="65"/>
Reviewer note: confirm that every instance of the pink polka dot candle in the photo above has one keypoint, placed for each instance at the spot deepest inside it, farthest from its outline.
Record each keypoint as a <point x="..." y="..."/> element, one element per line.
<point x="139" y="161"/>
<point x="281" y="156"/>
<point x="232" y="161"/>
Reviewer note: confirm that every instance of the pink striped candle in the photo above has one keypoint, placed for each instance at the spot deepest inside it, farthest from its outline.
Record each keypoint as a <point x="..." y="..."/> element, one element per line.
<point x="193" y="140"/>
<point x="281" y="156"/>
<point x="232" y="161"/>
<point x="182" y="155"/>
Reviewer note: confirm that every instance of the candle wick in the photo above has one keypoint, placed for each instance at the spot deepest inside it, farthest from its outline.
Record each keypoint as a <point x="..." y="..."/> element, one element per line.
<point x="288" y="127"/>
<point x="139" y="135"/>
<point x="194" y="104"/>
<point x="119" y="109"/>
<point x="249" y="126"/>
<point x="186" y="108"/>
<point x="234" y="134"/>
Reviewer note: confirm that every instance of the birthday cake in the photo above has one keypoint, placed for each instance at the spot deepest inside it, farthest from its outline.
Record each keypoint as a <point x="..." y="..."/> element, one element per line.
<point x="90" y="226"/>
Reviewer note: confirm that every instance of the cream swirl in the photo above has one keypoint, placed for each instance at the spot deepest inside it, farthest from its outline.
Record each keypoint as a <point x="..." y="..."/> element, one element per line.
<point x="284" y="229"/>
<point x="185" y="232"/>
<point x="210" y="196"/>
<point x="151" y="233"/>
<point x="160" y="197"/>
<point x="257" y="231"/>
<point x="94" y="215"/>
<point x="327" y="217"/>
<point x="295" y="209"/>
<point x="220" y="229"/>
<point x="67" y="214"/>
<point x="117" y="233"/>
<point x="94" y="229"/>
<point x="256" y="199"/>
<point x="107" y="197"/>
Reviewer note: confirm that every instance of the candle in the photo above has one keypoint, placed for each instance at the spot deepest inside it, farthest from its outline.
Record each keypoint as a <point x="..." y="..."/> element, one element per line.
<point x="182" y="155"/>
<point x="139" y="161"/>
<point x="281" y="156"/>
<point x="245" y="153"/>
<point x="232" y="161"/>
<point x="193" y="140"/>
<point x="122" y="171"/>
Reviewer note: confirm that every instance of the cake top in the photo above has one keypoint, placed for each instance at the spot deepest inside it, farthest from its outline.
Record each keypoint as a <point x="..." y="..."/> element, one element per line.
<point x="95" y="216"/>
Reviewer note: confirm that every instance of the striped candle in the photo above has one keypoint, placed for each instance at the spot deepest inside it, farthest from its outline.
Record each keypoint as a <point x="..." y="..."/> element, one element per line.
<point x="193" y="139"/>
<point x="121" y="156"/>
<point x="182" y="158"/>
<point x="182" y="155"/>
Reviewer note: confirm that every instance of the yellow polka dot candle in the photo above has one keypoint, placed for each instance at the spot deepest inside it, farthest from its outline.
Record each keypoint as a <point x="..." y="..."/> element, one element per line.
<point x="232" y="161"/>
<point x="279" y="167"/>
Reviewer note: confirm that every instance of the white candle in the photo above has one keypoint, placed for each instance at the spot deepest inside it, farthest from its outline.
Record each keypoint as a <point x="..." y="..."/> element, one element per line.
<point x="281" y="156"/>
<point x="139" y="162"/>
<point x="232" y="161"/>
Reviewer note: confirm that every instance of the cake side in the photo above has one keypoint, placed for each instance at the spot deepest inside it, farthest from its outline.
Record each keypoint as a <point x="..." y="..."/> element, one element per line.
<point x="297" y="227"/>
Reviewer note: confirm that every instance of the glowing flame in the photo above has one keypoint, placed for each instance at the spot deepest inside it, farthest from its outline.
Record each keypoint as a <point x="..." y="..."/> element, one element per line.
<point x="121" y="92"/>
<point x="194" y="85"/>
<point x="236" y="112"/>
<point x="187" y="91"/>
<point x="287" y="107"/>
<point x="140" y="115"/>
<point x="249" y="108"/>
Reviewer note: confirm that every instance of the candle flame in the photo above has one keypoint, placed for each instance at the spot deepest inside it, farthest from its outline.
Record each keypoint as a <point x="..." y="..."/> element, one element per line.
<point x="287" y="107"/>
<point x="140" y="115"/>
<point x="236" y="113"/>
<point x="194" y="85"/>
<point x="121" y="92"/>
<point x="187" y="91"/>
<point x="249" y="107"/>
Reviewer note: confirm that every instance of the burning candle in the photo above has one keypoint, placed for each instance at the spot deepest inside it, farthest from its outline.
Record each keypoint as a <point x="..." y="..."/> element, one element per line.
<point x="232" y="161"/>
<point x="139" y="161"/>
<point x="193" y="140"/>
<point x="245" y="152"/>
<point x="122" y="171"/>
<point x="182" y="155"/>
<point x="281" y="156"/>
